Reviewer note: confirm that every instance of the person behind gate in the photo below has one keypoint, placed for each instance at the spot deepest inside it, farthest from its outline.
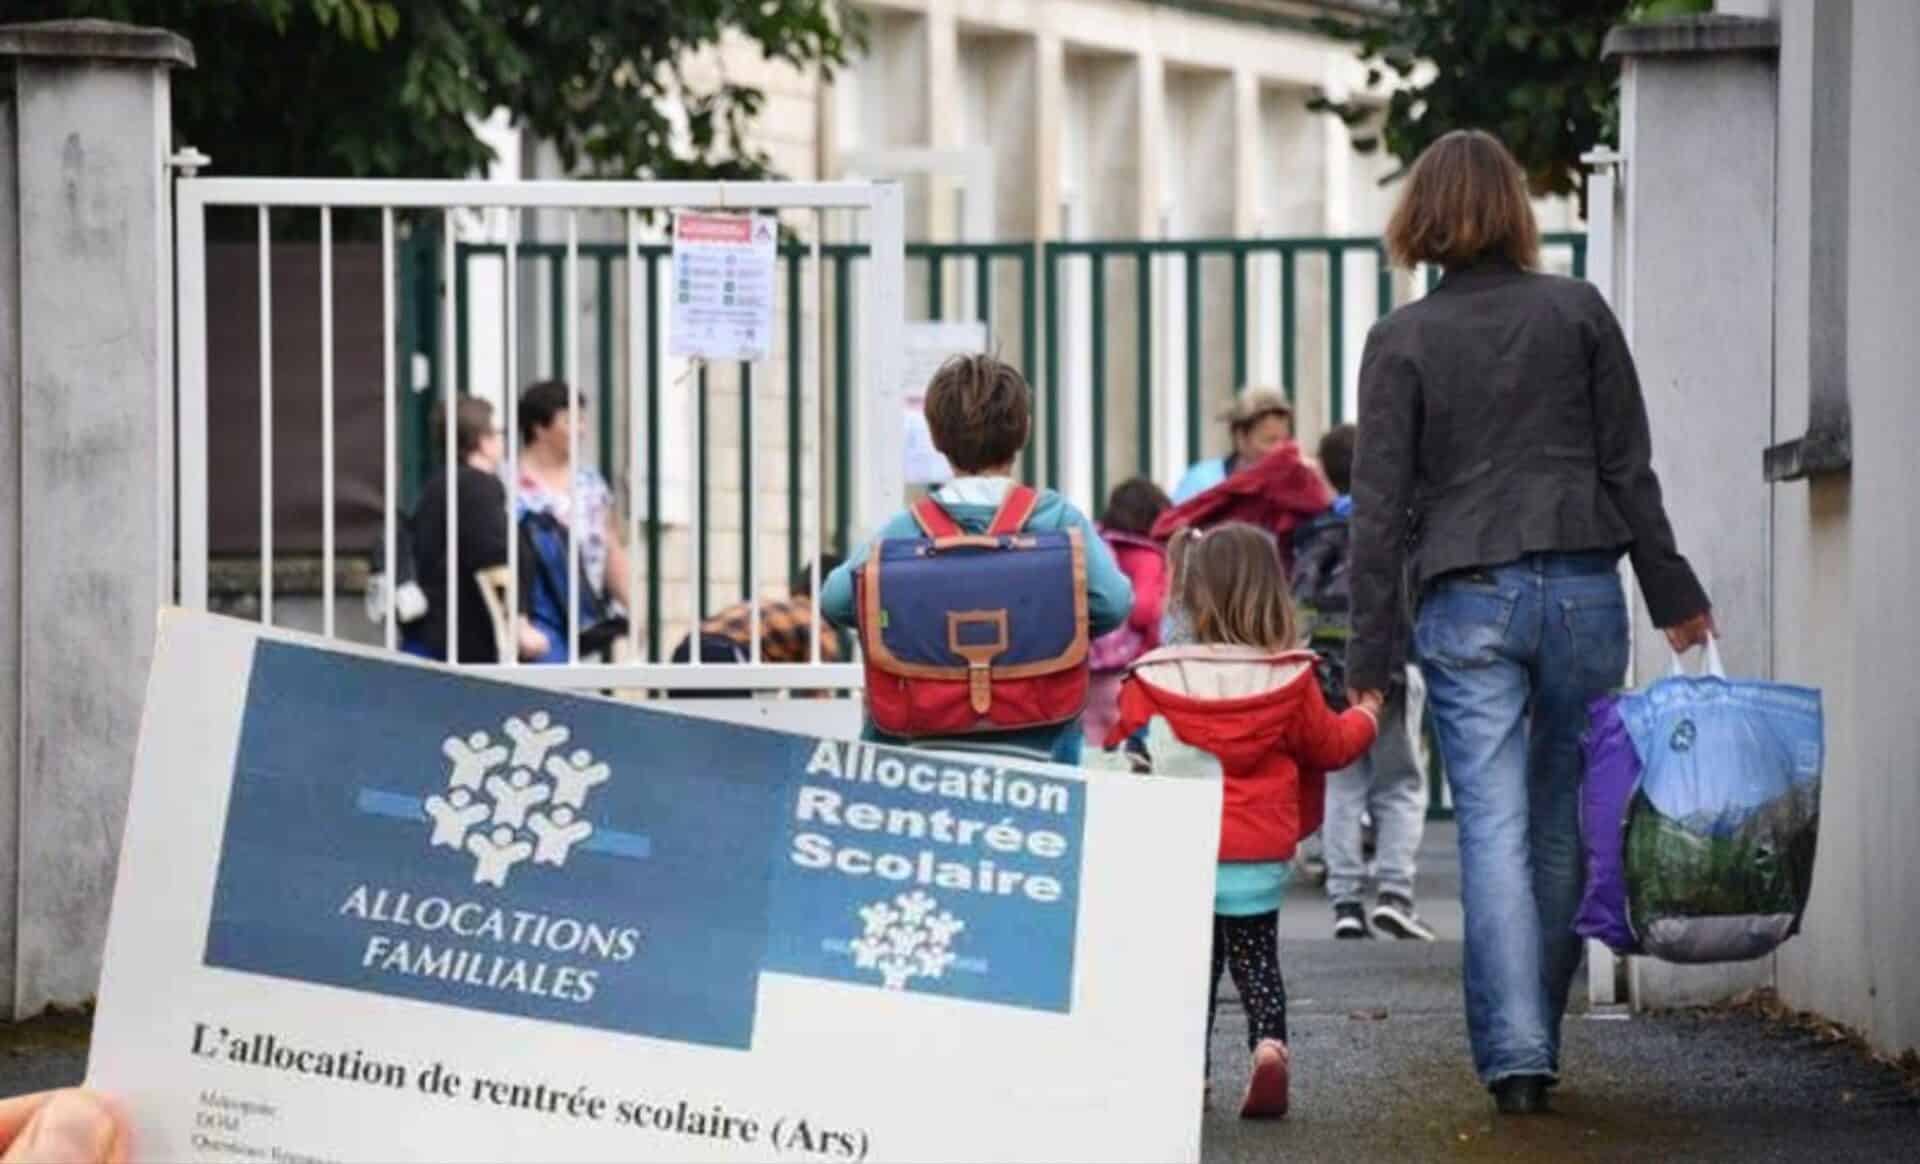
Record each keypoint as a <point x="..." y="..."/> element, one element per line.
<point x="1240" y="703"/>
<point x="979" y="412"/>
<point x="1504" y="465"/>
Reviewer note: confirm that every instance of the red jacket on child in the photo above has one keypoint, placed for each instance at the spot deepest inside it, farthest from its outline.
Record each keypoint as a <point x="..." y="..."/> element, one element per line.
<point x="1261" y="714"/>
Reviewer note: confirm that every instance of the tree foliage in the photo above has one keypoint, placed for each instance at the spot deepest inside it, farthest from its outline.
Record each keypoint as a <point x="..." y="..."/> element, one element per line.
<point x="1528" y="71"/>
<point x="391" y="88"/>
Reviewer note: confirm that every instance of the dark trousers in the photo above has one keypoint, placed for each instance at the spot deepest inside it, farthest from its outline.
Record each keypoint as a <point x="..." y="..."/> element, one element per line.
<point x="1249" y="948"/>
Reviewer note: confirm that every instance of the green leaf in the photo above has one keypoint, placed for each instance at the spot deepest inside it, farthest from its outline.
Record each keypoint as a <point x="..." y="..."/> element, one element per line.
<point x="1528" y="70"/>
<point x="330" y="88"/>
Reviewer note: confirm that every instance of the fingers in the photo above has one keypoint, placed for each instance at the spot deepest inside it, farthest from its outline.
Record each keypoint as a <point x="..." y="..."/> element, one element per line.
<point x="1693" y="632"/>
<point x="61" y="1127"/>
<point x="17" y="1112"/>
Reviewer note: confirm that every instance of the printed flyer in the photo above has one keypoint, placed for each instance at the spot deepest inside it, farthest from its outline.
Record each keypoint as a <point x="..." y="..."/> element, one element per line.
<point x="369" y="909"/>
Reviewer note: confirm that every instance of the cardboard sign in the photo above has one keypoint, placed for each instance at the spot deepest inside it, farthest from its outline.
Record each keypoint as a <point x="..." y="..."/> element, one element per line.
<point x="723" y="281"/>
<point x="370" y="909"/>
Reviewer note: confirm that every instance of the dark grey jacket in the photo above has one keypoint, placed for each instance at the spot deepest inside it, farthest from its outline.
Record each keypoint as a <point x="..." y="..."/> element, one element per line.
<point x="1500" y="416"/>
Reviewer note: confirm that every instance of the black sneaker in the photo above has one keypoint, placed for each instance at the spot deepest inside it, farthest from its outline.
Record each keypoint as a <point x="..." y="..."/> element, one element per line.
<point x="1350" y="921"/>
<point x="1395" y="915"/>
<point x="1521" y="1095"/>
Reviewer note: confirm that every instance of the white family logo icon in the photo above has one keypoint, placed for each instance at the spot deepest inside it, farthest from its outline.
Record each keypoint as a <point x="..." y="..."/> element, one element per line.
<point x="906" y="939"/>
<point x="514" y="800"/>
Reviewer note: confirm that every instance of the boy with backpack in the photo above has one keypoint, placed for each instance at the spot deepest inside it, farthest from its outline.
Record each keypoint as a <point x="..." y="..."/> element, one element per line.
<point x="1389" y="783"/>
<point x="976" y="606"/>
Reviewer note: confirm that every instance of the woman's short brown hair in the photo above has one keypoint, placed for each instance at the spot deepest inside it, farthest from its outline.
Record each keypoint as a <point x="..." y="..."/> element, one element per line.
<point x="1229" y="582"/>
<point x="979" y="411"/>
<point x="1466" y="199"/>
<point x="472" y="423"/>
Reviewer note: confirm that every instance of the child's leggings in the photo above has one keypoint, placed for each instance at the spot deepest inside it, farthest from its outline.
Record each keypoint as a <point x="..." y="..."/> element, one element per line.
<point x="1249" y="947"/>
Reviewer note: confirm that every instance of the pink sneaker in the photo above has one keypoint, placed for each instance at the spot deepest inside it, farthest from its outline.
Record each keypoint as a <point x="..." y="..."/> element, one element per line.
<point x="1267" y="1090"/>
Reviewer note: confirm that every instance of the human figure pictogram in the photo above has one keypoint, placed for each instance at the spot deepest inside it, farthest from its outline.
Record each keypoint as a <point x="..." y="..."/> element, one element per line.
<point x="454" y="815"/>
<point x="495" y="855"/>
<point x="472" y="758"/>
<point x="575" y="776"/>
<point x="513" y="796"/>
<point x="533" y="738"/>
<point x="558" y="832"/>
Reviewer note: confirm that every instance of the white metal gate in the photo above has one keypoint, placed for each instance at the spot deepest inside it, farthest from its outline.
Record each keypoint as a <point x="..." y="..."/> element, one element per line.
<point x="876" y="411"/>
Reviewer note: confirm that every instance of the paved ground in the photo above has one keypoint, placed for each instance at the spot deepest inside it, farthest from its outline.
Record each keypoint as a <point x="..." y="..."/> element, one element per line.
<point x="1381" y="1069"/>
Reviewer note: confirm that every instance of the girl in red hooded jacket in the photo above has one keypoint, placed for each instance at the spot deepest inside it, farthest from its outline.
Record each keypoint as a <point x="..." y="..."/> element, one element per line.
<point x="1242" y="698"/>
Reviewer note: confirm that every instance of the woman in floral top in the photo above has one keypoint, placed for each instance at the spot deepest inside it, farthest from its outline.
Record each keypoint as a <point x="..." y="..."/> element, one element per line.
<point x="549" y="482"/>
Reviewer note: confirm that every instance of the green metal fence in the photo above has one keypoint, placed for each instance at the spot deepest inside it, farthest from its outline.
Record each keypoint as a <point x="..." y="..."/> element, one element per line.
<point x="1102" y="258"/>
<point x="948" y="281"/>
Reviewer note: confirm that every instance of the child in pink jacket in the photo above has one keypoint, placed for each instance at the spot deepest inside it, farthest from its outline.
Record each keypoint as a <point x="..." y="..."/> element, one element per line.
<point x="1126" y="526"/>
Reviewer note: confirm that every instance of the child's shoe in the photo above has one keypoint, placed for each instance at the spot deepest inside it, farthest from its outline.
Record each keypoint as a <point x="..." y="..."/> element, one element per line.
<point x="1350" y="921"/>
<point x="1267" y="1089"/>
<point x="1395" y="915"/>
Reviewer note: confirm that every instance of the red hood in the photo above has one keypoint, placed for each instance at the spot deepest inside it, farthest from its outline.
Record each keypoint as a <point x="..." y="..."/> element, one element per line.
<point x="1275" y="493"/>
<point x="1231" y="701"/>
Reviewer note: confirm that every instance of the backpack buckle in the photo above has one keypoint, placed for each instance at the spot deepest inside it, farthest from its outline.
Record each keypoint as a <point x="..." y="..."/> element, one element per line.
<point x="978" y="654"/>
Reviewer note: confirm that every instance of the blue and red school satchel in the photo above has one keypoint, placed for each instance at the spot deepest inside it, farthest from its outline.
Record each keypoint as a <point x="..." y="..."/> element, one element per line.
<point x="967" y="633"/>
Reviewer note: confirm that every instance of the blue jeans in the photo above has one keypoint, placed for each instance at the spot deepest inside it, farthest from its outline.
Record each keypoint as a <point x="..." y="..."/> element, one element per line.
<point x="1511" y="655"/>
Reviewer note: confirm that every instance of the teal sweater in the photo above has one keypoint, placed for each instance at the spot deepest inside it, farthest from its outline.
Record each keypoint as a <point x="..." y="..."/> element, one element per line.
<point x="972" y="502"/>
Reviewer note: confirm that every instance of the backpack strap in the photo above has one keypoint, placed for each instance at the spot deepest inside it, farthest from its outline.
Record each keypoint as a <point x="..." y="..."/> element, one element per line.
<point x="1014" y="512"/>
<point x="934" y="520"/>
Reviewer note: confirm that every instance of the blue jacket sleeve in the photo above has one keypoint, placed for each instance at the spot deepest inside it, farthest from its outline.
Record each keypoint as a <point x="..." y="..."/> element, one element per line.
<point x="1199" y="477"/>
<point x="1109" y="592"/>
<point x="836" y="591"/>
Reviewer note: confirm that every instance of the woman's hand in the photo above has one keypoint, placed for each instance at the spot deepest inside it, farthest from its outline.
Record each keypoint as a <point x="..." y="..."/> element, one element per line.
<point x="1694" y="632"/>
<point x="61" y="1127"/>
<point x="533" y="643"/>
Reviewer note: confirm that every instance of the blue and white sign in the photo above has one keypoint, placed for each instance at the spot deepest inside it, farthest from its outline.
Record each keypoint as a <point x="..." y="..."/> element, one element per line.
<point x="522" y="924"/>
<point x="460" y="842"/>
<point x="948" y="876"/>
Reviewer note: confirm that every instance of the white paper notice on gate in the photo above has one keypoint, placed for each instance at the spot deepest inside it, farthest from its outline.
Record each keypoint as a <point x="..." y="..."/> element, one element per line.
<point x="925" y="348"/>
<point x="722" y="285"/>
<point x="371" y="909"/>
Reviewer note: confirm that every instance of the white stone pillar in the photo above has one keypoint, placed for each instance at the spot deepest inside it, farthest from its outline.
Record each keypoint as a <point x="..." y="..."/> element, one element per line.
<point x="86" y="428"/>
<point x="1698" y="128"/>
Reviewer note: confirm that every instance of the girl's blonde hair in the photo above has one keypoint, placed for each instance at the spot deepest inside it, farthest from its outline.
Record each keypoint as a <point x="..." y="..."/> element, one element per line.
<point x="1231" y="588"/>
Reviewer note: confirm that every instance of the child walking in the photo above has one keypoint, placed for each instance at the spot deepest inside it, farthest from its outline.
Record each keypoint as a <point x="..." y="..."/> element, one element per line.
<point x="1241" y="701"/>
<point x="980" y="413"/>
<point x="1127" y="528"/>
<point x="1389" y="783"/>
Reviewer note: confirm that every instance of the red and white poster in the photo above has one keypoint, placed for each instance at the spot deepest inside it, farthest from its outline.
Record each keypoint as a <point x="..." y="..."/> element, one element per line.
<point x="723" y="281"/>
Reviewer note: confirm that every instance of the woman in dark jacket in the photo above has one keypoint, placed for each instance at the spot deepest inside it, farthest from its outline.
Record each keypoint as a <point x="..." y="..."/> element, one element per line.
<point x="1503" y="468"/>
